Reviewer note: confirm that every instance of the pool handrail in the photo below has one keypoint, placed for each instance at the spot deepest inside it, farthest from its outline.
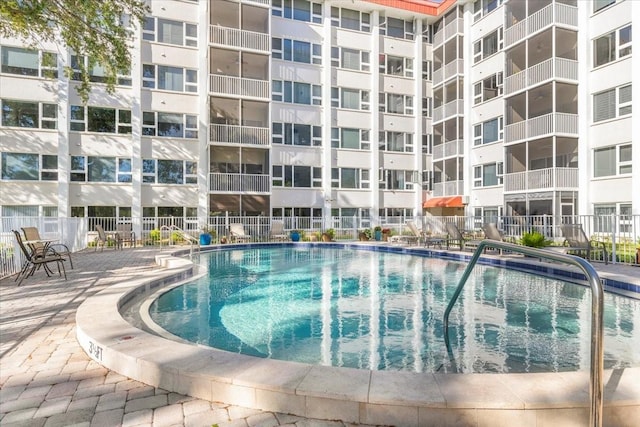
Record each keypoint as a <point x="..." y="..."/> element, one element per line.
<point x="186" y="236"/>
<point x="596" y="384"/>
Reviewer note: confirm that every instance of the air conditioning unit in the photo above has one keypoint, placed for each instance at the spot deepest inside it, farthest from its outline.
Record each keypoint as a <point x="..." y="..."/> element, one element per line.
<point x="465" y="200"/>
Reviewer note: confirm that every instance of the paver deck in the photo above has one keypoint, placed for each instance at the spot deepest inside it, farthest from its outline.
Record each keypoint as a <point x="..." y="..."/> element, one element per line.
<point x="46" y="379"/>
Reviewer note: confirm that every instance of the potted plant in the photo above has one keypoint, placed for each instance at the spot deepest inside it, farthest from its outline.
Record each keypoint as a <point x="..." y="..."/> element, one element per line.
<point x="364" y="235"/>
<point x="534" y="239"/>
<point x="377" y="233"/>
<point x="295" y="235"/>
<point x="329" y="235"/>
<point x="386" y="232"/>
<point x="205" y="236"/>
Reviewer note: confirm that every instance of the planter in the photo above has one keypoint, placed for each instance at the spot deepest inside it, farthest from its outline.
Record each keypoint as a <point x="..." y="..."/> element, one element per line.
<point x="385" y="237"/>
<point x="325" y="237"/>
<point x="377" y="235"/>
<point x="205" y="239"/>
<point x="637" y="255"/>
<point x="295" y="236"/>
<point x="363" y="237"/>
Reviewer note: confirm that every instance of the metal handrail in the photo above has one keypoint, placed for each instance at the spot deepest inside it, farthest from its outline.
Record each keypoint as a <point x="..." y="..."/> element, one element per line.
<point x="192" y="240"/>
<point x="596" y="385"/>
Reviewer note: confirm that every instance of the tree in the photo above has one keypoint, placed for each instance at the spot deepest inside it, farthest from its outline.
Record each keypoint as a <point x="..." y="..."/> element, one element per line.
<point x="91" y="28"/>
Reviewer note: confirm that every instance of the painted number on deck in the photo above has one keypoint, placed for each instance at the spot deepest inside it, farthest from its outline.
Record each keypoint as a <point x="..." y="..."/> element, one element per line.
<point x="95" y="350"/>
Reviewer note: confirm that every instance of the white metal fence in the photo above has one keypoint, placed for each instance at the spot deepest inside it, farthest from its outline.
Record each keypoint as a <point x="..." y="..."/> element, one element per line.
<point x="621" y="233"/>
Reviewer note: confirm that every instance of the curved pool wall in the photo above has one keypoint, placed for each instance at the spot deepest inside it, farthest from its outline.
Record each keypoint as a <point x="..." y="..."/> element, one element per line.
<point x="347" y="394"/>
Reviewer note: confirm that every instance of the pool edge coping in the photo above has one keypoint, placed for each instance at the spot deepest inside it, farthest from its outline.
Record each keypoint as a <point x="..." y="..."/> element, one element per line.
<point x="373" y="397"/>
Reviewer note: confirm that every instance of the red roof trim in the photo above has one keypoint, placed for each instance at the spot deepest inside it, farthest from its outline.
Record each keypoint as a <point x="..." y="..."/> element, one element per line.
<point x="420" y="6"/>
<point x="444" y="202"/>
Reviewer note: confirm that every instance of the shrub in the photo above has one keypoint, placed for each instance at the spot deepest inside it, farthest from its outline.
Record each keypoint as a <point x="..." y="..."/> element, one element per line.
<point x="154" y="235"/>
<point x="534" y="239"/>
<point x="367" y="232"/>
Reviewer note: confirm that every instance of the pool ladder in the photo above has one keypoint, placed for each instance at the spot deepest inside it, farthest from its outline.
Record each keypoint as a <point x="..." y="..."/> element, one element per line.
<point x="193" y="242"/>
<point x="596" y="385"/>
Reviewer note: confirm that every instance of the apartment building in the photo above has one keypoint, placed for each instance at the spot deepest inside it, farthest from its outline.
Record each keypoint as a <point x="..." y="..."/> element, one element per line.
<point x="361" y="108"/>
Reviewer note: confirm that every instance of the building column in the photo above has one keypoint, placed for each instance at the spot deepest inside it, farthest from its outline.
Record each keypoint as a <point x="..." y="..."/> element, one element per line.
<point x="64" y="159"/>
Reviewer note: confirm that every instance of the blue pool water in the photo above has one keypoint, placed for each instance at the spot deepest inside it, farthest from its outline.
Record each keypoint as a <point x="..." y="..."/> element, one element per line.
<point x="383" y="311"/>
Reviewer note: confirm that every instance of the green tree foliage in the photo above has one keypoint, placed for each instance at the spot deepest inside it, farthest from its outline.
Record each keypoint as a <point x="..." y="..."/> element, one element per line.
<point x="99" y="29"/>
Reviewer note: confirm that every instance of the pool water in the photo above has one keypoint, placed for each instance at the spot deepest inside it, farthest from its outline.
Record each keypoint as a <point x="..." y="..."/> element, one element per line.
<point x="383" y="311"/>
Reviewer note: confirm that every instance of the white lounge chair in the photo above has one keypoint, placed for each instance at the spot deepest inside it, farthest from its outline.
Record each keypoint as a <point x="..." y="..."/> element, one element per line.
<point x="277" y="232"/>
<point x="237" y="233"/>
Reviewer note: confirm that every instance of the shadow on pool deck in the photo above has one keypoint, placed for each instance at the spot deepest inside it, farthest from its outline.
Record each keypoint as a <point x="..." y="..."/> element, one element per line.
<point x="47" y="377"/>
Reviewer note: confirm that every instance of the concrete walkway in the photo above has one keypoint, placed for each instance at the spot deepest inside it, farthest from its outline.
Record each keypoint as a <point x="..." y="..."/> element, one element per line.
<point x="46" y="379"/>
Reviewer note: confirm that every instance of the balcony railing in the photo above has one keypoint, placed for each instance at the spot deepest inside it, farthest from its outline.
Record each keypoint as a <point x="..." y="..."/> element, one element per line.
<point x="553" y="68"/>
<point x="448" y="188"/>
<point x="239" y="183"/>
<point x="449" y="70"/>
<point x="239" y="38"/>
<point x="563" y="123"/>
<point x="555" y="13"/>
<point x="447" y="110"/>
<point x="455" y="27"/>
<point x="230" y="85"/>
<point x="550" y="178"/>
<point x="448" y="149"/>
<point x="239" y="134"/>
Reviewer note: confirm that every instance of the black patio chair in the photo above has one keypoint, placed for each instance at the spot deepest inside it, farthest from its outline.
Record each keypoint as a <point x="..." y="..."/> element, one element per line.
<point x="33" y="261"/>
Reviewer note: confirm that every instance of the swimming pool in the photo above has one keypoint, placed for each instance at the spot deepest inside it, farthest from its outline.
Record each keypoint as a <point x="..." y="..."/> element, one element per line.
<point x="383" y="311"/>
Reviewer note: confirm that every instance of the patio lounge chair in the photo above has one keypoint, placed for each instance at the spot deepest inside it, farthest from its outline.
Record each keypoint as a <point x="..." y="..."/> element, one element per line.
<point x="237" y="233"/>
<point x="32" y="262"/>
<point x="126" y="234"/>
<point x="416" y="235"/>
<point x="41" y="248"/>
<point x="577" y="241"/>
<point x="104" y="239"/>
<point x="277" y="231"/>
<point x="454" y="236"/>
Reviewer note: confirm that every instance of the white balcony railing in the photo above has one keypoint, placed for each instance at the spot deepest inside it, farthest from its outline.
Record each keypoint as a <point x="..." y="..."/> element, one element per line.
<point x="550" y="178"/>
<point x="239" y="38"/>
<point x="452" y="28"/>
<point x="553" y="68"/>
<point x="239" y="183"/>
<point x="438" y="76"/>
<point x="555" y="13"/>
<point x="449" y="70"/>
<point x="248" y="135"/>
<point x="563" y="123"/>
<point x="448" y="149"/>
<point x="448" y="188"/>
<point x="230" y="85"/>
<point x="447" y="110"/>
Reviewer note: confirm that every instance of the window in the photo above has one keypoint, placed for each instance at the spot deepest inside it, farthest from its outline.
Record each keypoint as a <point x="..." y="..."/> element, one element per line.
<point x="396" y="104"/>
<point x="354" y="99"/>
<point x="488" y="46"/>
<point x="172" y="125"/>
<point x="488" y="132"/>
<point x="350" y="138"/>
<point x="484" y="7"/>
<point x="396" y="65"/>
<point x="601" y="4"/>
<point x="296" y="51"/>
<point x="488" y="175"/>
<point x="296" y="92"/>
<point x="612" y="46"/>
<point x="170" y="32"/>
<point x="350" y="19"/>
<point x="29" y="114"/>
<point x="26" y="62"/>
<point x="488" y="88"/>
<point x="169" y="78"/>
<point x="426" y="70"/>
<point x="97" y="73"/>
<point x="611" y="161"/>
<point x="351" y="59"/>
<point x="296" y="134"/>
<point x="169" y="171"/>
<point x="20" y="166"/>
<point x="101" y="120"/>
<point x="398" y="179"/>
<point x="349" y="178"/>
<point x="605" y="106"/>
<point x="398" y="28"/>
<point x="290" y="176"/>
<point x="395" y="141"/>
<point x="299" y="10"/>
<point x="49" y="169"/>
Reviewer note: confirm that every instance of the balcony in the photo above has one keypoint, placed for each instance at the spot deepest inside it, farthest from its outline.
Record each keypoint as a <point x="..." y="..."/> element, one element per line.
<point x="553" y="123"/>
<point x="449" y="188"/>
<point x="239" y="183"/>
<point x="540" y="179"/>
<point x="553" y="68"/>
<point x="447" y="110"/>
<point x="449" y="70"/>
<point x="448" y="149"/>
<point x="555" y="13"/>
<point x="451" y="29"/>
<point x="234" y="37"/>
<point x="230" y="85"/>
<point x="246" y="135"/>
